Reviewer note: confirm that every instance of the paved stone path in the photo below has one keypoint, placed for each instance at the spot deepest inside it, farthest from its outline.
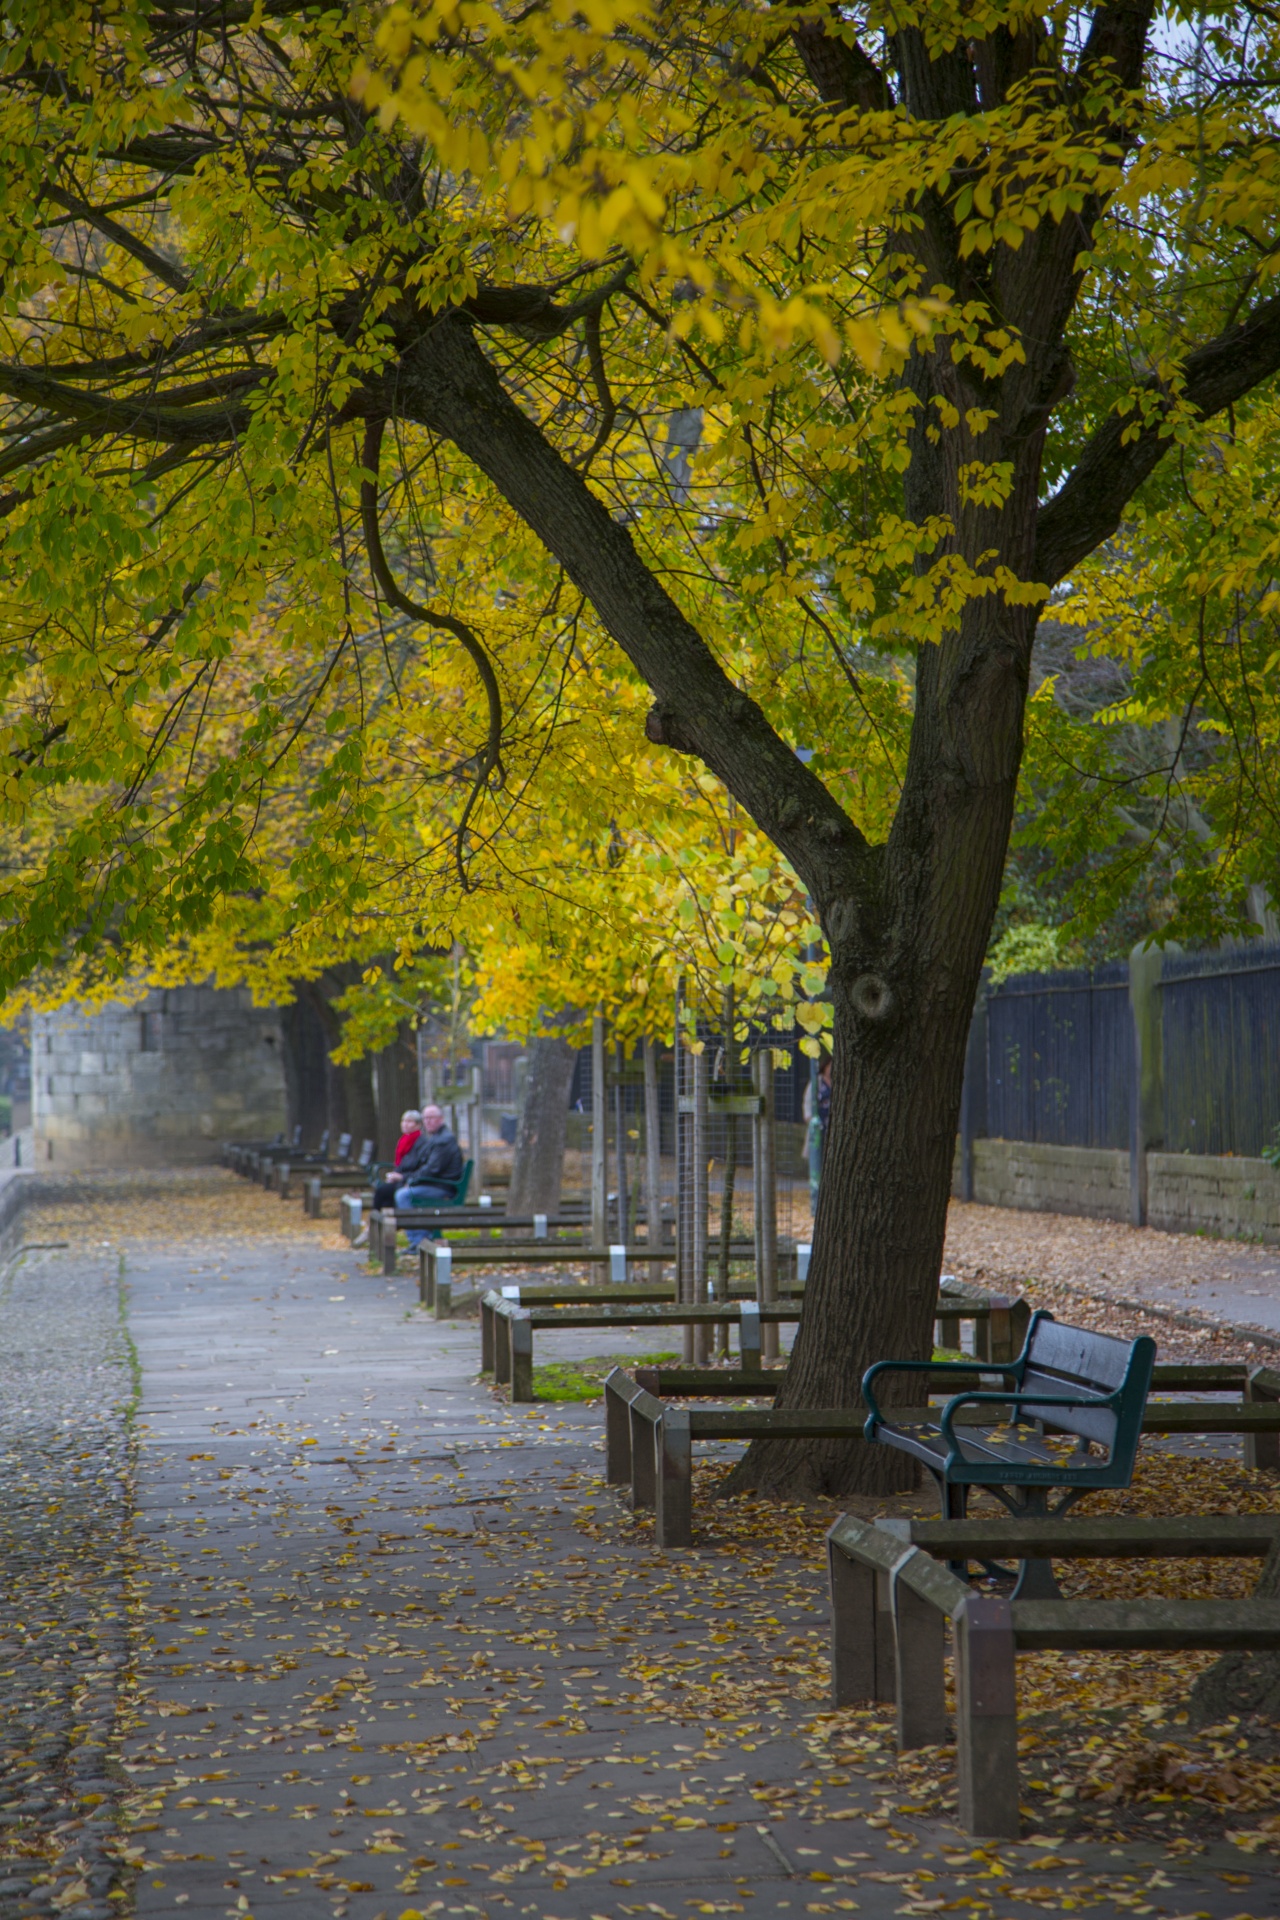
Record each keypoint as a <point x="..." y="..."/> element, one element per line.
<point x="399" y="1654"/>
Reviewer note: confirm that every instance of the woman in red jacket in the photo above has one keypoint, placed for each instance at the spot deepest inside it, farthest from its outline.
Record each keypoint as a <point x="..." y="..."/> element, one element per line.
<point x="410" y="1133"/>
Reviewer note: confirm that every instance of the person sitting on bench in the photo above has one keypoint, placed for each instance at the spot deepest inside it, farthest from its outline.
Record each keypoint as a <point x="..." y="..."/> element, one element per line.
<point x="410" y="1132"/>
<point x="430" y="1170"/>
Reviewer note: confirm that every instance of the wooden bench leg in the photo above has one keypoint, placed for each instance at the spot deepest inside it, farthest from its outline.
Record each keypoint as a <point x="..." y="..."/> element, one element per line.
<point x="674" y="1488"/>
<point x="501" y="1349"/>
<point x="520" y="1329"/>
<point x="487" y="1319"/>
<point x="444" y="1298"/>
<point x="617" y="1437"/>
<point x="861" y="1633"/>
<point x="643" y="1460"/>
<point x="1262" y="1449"/>
<point x="919" y="1655"/>
<point x="390" y="1236"/>
<point x="374" y="1249"/>
<point x="427" y="1277"/>
<point x="1000" y="1333"/>
<point x="949" y="1332"/>
<point x="986" y="1718"/>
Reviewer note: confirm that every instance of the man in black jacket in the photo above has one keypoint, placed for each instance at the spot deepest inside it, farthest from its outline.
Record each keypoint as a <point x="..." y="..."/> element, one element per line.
<point x="429" y="1171"/>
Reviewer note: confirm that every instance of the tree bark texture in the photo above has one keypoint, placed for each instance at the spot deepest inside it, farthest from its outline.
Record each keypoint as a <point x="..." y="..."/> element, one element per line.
<point x="537" y="1166"/>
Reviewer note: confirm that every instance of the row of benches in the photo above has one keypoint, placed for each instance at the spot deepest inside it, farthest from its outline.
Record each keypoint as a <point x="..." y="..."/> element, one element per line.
<point x="510" y="1316"/>
<point x="649" y="1442"/>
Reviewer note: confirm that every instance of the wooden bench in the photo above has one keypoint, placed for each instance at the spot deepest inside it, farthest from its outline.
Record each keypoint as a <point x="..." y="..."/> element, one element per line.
<point x="340" y="1174"/>
<point x="435" y="1273"/>
<point x="1065" y="1381"/>
<point x="513" y="1327"/>
<point x="892" y="1604"/>
<point x="473" y="1216"/>
<point x="666" y="1434"/>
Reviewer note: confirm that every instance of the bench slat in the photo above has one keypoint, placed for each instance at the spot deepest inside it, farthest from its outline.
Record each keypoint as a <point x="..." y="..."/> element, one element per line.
<point x="1041" y="1626"/>
<point x="1079" y="1536"/>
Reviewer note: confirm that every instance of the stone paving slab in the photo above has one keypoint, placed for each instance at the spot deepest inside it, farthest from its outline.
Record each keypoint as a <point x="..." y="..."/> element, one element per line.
<point x="399" y="1653"/>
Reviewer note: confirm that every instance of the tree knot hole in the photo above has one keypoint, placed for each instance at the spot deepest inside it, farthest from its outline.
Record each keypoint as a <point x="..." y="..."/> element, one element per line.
<point x="872" y="997"/>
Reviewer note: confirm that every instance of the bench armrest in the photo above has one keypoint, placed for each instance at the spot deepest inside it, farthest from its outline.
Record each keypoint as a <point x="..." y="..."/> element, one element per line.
<point x="875" y="1418"/>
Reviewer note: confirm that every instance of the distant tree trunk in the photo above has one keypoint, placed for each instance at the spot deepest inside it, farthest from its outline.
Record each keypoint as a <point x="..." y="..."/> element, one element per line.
<point x="537" y="1168"/>
<point x="349" y="1089"/>
<point x="395" y="1082"/>
<point x="306" y="1068"/>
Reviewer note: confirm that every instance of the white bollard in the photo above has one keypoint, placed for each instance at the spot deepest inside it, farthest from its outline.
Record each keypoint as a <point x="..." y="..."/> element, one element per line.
<point x="486" y="1199"/>
<point x="802" y="1263"/>
<point x="511" y="1293"/>
<point x="540" y="1226"/>
<point x="618" y="1265"/>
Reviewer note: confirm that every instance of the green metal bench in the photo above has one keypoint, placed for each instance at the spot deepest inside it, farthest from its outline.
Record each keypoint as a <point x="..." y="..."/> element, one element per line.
<point x="1065" y="1379"/>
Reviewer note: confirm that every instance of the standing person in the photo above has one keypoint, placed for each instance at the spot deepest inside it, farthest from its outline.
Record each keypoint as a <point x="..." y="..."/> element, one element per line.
<point x="816" y="1111"/>
<point x="824" y="1096"/>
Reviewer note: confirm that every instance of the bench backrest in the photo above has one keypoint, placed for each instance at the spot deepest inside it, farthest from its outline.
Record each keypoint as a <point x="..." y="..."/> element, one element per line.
<point x="1059" y="1359"/>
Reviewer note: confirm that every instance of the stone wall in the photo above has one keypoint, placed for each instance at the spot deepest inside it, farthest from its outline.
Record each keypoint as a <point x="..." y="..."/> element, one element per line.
<point x="1229" y="1198"/>
<point x="161" y="1083"/>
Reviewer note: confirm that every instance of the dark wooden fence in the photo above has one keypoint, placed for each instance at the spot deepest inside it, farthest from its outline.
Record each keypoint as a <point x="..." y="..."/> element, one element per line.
<point x="1052" y="1056"/>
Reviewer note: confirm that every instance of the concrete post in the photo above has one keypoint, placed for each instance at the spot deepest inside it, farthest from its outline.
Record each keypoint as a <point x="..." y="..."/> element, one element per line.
<point x="599" y="1129"/>
<point x="652" y="1154"/>
<point x="986" y="1718"/>
<point x="765" y="1178"/>
<point x="1146" y="1097"/>
<point x="973" y="1097"/>
<point x="701" y="1200"/>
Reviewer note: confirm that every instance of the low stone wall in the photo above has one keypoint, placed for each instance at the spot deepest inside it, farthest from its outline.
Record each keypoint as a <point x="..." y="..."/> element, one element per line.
<point x="1232" y="1199"/>
<point x="1228" y="1198"/>
<point x="1016" y="1173"/>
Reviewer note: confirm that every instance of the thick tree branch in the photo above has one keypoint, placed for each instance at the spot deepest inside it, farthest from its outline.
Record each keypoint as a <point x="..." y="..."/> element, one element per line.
<point x="179" y="415"/>
<point x="446" y="382"/>
<point x="843" y="74"/>
<point x="1087" y="508"/>
<point x="1118" y="39"/>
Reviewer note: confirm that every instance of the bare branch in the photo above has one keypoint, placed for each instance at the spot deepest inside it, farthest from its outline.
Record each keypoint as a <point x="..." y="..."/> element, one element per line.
<point x="1087" y="508"/>
<point x="489" y="771"/>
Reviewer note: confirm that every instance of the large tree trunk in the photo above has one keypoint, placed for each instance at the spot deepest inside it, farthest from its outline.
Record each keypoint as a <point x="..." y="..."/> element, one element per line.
<point x="902" y="1004"/>
<point x="537" y="1167"/>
